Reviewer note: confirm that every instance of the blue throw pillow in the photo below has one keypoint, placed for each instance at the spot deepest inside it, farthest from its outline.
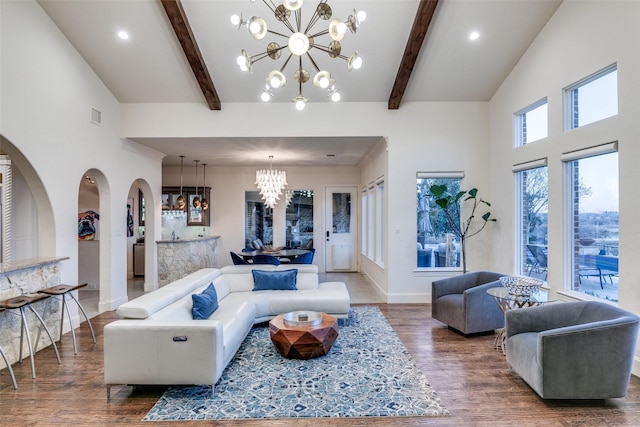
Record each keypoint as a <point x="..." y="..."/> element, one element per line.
<point x="205" y="303"/>
<point x="274" y="280"/>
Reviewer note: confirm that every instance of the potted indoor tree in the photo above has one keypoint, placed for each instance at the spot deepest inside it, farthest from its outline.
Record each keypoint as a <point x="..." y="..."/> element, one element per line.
<point x="451" y="204"/>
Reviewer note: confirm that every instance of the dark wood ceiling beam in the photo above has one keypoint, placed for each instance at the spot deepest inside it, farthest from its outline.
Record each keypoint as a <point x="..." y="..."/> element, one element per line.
<point x="426" y="9"/>
<point x="181" y="27"/>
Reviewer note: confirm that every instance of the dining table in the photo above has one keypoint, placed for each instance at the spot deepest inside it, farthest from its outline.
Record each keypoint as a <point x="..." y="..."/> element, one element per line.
<point x="281" y="253"/>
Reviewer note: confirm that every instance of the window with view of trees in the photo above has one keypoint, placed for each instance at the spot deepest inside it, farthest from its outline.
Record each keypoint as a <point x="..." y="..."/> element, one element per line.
<point x="436" y="247"/>
<point x="533" y="225"/>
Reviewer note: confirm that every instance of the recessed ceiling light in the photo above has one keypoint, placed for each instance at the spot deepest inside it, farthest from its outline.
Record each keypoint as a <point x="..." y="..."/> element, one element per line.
<point x="474" y="35"/>
<point x="123" y="35"/>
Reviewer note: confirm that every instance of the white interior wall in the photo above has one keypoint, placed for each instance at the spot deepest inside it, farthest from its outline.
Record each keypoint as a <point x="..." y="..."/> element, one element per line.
<point x="48" y="91"/>
<point x="580" y="39"/>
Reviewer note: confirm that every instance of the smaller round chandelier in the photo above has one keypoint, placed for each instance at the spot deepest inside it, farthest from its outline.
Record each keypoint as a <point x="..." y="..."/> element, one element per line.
<point x="299" y="44"/>
<point x="271" y="183"/>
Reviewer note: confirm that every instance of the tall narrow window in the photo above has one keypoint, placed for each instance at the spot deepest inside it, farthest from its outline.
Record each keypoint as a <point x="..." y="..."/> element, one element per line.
<point x="371" y="211"/>
<point x="591" y="99"/>
<point x="531" y="123"/>
<point x="363" y="228"/>
<point x="380" y="222"/>
<point x="436" y="247"/>
<point x="532" y="220"/>
<point x="593" y="221"/>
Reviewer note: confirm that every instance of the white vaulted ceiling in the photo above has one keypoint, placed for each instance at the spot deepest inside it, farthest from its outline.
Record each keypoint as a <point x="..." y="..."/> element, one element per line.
<point x="151" y="67"/>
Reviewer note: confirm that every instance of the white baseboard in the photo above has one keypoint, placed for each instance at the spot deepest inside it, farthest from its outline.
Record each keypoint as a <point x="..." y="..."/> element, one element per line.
<point x="635" y="367"/>
<point x="415" y="298"/>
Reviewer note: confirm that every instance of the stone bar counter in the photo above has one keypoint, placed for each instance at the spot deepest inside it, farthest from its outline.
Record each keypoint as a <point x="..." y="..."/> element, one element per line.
<point x="28" y="277"/>
<point x="179" y="257"/>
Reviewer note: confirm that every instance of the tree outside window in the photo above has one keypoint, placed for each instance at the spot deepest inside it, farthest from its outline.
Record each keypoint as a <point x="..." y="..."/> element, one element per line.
<point x="436" y="247"/>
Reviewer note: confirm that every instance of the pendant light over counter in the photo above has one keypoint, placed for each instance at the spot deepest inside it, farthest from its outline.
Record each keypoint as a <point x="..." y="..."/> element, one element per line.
<point x="180" y="201"/>
<point x="196" y="199"/>
<point x="204" y="203"/>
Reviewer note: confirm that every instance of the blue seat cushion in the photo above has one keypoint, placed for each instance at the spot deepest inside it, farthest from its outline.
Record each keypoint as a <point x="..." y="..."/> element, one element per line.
<point x="205" y="303"/>
<point x="274" y="280"/>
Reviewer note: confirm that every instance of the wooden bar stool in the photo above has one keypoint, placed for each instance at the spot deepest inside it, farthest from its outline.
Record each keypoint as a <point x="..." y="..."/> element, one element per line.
<point x="20" y="303"/>
<point x="63" y="291"/>
<point x="9" y="368"/>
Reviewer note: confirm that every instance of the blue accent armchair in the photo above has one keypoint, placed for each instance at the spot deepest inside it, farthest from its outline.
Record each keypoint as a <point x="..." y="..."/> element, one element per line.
<point x="463" y="304"/>
<point x="573" y="350"/>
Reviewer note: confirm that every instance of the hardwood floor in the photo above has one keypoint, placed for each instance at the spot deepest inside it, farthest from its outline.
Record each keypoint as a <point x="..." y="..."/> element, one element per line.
<point x="471" y="378"/>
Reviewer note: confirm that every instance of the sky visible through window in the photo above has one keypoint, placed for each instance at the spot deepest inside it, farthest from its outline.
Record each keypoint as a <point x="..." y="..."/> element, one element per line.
<point x="598" y="100"/>
<point x="600" y="175"/>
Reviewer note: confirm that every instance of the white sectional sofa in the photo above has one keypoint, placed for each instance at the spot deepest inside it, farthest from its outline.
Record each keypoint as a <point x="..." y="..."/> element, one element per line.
<point x="159" y="342"/>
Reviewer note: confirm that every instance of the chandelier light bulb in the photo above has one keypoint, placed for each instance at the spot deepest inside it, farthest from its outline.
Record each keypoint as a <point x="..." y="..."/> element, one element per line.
<point x="254" y="27"/>
<point x="337" y="29"/>
<point x="354" y="61"/>
<point x="362" y="16"/>
<point x="335" y="96"/>
<point x="292" y="4"/>
<point x="322" y="79"/>
<point x="298" y="44"/>
<point x="265" y="96"/>
<point x="235" y="19"/>
<point x="300" y="105"/>
<point x="276" y="79"/>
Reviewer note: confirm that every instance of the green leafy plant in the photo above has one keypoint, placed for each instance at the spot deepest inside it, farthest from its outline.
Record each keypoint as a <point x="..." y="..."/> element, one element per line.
<point x="450" y="204"/>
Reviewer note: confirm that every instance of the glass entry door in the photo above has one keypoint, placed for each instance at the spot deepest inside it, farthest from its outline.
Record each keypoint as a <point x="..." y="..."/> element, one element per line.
<point x="340" y="234"/>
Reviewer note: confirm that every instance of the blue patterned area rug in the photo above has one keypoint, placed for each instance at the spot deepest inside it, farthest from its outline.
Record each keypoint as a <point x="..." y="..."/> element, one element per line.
<point x="367" y="373"/>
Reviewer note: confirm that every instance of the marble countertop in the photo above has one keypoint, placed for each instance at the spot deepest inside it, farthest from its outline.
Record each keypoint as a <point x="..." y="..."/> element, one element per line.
<point x="188" y="240"/>
<point x="7" y="267"/>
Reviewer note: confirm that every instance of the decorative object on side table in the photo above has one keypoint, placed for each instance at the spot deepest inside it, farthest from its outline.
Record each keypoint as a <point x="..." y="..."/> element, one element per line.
<point x="521" y="286"/>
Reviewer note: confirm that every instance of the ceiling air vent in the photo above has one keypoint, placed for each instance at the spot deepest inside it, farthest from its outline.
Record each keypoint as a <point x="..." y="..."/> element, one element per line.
<point x="96" y="116"/>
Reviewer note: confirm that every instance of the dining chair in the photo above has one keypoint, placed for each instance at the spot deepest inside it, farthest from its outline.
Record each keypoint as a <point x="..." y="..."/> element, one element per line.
<point x="237" y="259"/>
<point x="266" y="259"/>
<point x="306" y="258"/>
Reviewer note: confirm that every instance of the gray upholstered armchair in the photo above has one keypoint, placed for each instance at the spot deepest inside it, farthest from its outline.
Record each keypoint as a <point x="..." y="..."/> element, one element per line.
<point x="462" y="302"/>
<point x="574" y="350"/>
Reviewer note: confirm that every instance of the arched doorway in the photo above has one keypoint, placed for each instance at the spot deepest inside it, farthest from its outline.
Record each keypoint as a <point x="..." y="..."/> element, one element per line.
<point x="136" y="248"/>
<point x="89" y="241"/>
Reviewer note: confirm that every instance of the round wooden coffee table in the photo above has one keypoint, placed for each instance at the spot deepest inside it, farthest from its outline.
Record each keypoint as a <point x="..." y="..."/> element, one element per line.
<point x="303" y="334"/>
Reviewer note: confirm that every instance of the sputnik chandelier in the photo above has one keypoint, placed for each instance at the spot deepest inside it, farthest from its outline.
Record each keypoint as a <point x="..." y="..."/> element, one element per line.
<point x="299" y="43"/>
<point x="271" y="183"/>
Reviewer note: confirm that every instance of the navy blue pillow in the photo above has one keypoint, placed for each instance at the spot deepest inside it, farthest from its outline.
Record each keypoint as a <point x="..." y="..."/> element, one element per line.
<point x="205" y="303"/>
<point x="274" y="280"/>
